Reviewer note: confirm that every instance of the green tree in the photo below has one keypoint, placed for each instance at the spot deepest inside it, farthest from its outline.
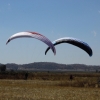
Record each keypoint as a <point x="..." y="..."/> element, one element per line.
<point x="2" y="68"/>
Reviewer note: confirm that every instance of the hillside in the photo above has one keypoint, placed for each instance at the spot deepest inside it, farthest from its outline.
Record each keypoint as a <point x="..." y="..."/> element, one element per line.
<point x="50" y="66"/>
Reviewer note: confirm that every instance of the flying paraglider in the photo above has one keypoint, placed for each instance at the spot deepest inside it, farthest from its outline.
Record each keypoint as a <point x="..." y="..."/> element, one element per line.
<point x="74" y="42"/>
<point x="33" y="35"/>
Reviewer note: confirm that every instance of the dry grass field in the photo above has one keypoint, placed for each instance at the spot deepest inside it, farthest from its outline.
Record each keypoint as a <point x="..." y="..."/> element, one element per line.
<point x="58" y="87"/>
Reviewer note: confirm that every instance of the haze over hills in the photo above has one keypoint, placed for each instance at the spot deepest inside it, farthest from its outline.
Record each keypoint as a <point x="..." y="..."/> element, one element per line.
<point x="51" y="66"/>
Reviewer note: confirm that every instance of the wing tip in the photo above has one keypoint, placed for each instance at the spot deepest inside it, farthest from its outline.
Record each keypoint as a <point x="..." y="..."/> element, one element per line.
<point x="7" y="41"/>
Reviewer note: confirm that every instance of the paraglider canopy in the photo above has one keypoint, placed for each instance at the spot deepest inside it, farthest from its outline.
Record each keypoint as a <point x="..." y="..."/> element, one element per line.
<point x="33" y="35"/>
<point x="73" y="41"/>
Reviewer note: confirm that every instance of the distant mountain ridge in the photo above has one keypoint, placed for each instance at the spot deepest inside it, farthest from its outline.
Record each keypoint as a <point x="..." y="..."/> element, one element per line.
<point x="51" y="66"/>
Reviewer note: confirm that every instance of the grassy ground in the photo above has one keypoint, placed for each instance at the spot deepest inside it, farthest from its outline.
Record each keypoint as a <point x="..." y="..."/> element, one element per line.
<point x="45" y="90"/>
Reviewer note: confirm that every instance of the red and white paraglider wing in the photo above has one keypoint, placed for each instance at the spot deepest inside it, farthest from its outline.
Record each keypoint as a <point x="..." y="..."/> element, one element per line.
<point x="33" y="35"/>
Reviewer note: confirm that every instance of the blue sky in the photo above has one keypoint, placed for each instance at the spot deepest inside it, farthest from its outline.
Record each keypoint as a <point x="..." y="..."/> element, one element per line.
<point x="54" y="19"/>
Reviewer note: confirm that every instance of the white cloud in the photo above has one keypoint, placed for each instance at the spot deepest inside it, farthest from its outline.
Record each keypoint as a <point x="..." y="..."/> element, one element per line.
<point x="8" y="4"/>
<point x="94" y="33"/>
